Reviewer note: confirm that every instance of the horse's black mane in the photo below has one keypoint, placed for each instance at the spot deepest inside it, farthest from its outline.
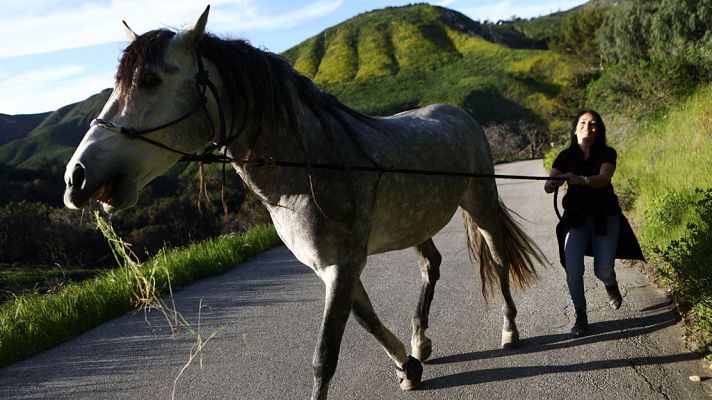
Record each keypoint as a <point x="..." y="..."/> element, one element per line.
<point x="257" y="81"/>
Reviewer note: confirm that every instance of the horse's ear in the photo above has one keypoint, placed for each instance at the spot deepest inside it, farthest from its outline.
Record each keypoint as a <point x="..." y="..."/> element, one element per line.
<point x="129" y="33"/>
<point x="190" y="36"/>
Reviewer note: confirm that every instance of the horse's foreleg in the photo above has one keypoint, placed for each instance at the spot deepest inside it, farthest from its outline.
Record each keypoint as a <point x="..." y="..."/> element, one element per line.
<point x="367" y="318"/>
<point x="340" y="281"/>
<point x="429" y="260"/>
<point x="409" y="369"/>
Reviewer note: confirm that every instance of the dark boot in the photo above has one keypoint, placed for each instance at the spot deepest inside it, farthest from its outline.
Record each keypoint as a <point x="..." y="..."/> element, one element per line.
<point x="614" y="296"/>
<point x="580" y="327"/>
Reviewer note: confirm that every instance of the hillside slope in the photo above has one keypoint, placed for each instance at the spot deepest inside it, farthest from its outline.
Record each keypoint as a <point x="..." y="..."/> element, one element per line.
<point x="395" y="59"/>
<point x="18" y="126"/>
<point x="53" y="139"/>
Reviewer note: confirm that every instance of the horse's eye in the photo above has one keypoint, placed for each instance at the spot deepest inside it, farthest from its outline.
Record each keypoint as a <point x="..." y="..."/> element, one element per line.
<point x="147" y="79"/>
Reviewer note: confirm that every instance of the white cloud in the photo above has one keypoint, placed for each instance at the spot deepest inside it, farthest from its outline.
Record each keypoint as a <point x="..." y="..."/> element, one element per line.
<point x="253" y="19"/>
<point x="444" y="3"/>
<point x="53" y="88"/>
<point x="9" y="82"/>
<point x="56" y="27"/>
<point x="505" y="9"/>
<point x="48" y="26"/>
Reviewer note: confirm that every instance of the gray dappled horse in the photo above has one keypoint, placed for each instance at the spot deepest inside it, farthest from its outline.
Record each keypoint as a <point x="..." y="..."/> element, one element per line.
<point x="173" y="88"/>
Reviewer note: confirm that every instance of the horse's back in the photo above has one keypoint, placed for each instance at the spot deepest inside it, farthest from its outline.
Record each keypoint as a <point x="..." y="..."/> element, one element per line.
<point x="409" y="209"/>
<point x="438" y="136"/>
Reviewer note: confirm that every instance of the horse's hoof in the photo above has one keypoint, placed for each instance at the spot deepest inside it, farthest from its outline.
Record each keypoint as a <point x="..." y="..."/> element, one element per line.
<point x="510" y="340"/>
<point x="423" y="350"/>
<point x="411" y="374"/>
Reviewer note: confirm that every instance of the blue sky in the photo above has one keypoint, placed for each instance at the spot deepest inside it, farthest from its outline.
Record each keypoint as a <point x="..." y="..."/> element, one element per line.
<point x="57" y="52"/>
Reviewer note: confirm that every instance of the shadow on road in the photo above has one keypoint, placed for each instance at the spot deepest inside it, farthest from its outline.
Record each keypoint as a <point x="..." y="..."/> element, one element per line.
<point x="599" y="332"/>
<point x="510" y="373"/>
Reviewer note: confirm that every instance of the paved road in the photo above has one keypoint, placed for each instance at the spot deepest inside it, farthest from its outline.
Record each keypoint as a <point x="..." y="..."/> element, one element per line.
<point x="268" y="311"/>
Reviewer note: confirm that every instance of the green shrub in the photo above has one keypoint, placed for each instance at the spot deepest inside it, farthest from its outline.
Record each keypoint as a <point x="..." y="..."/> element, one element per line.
<point x="690" y="263"/>
<point x="579" y="35"/>
<point x="666" y="216"/>
<point x="36" y="234"/>
<point x="550" y="156"/>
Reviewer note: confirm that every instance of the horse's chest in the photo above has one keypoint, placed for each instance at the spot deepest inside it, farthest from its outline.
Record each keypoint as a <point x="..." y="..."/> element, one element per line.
<point x="310" y="236"/>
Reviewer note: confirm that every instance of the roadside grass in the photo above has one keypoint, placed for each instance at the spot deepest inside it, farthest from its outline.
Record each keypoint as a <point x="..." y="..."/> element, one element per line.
<point x="16" y="280"/>
<point x="34" y="323"/>
<point x="667" y="159"/>
<point x="665" y="175"/>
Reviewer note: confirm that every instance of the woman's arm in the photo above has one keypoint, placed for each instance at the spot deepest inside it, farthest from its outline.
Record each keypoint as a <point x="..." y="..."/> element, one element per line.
<point x="551" y="185"/>
<point x="595" y="181"/>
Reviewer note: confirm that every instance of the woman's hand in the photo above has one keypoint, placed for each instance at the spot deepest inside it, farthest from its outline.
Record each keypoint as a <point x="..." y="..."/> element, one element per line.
<point x="551" y="185"/>
<point x="574" y="179"/>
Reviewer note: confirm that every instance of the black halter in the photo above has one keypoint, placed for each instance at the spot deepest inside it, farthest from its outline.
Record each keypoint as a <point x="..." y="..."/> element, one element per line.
<point x="202" y="84"/>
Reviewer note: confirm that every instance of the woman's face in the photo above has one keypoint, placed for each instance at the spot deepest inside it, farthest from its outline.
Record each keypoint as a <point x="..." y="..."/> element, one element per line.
<point x="586" y="130"/>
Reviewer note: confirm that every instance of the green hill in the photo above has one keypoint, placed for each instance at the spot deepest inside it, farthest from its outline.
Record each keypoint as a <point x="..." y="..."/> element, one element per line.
<point x="395" y="59"/>
<point x="54" y="139"/>
<point x="18" y="126"/>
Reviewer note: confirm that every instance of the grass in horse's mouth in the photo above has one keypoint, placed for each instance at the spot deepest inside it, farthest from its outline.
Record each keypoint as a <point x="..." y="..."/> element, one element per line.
<point x="103" y="195"/>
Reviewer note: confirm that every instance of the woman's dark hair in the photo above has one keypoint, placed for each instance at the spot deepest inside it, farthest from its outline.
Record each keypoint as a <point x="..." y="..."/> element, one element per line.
<point x="600" y="142"/>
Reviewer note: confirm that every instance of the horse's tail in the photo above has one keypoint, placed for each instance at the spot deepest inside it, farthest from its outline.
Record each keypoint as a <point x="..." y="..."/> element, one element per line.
<point x="522" y="252"/>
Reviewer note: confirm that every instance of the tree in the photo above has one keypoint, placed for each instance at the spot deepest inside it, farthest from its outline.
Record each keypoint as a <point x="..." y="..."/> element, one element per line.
<point x="579" y="35"/>
<point x="655" y="30"/>
<point x="625" y="33"/>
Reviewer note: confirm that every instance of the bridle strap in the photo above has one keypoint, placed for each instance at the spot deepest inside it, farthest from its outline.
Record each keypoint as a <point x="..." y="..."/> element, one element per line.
<point x="203" y="78"/>
<point x="203" y="83"/>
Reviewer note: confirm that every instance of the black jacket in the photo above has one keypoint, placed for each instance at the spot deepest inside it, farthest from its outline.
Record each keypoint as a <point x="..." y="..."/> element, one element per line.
<point x="628" y="247"/>
<point x="582" y="201"/>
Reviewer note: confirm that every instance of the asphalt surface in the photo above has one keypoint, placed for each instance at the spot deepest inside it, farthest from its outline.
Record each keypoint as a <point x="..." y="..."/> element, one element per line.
<point x="267" y="313"/>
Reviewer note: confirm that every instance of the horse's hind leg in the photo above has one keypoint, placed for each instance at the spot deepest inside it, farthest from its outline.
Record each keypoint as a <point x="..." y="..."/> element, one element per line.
<point x="429" y="260"/>
<point x="482" y="217"/>
<point x="409" y="369"/>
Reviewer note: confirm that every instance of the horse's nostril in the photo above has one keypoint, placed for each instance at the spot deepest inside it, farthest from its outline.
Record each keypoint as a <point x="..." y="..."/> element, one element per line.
<point x="78" y="176"/>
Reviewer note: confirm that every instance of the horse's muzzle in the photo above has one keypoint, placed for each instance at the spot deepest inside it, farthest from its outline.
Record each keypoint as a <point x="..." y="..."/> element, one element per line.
<point x="75" y="195"/>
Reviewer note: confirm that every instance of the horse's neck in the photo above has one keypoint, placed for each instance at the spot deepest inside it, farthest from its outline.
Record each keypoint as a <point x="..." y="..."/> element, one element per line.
<point x="315" y="138"/>
<point x="307" y="142"/>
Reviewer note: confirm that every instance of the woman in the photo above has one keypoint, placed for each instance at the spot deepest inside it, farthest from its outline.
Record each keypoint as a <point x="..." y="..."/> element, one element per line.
<point x="592" y="223"/>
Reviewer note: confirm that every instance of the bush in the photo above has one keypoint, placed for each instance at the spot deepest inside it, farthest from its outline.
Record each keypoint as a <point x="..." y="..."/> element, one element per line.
<point x="689" y="264"/>
<point x="668" y="210"/>
<point x="654" y="30"/>
<point x="34" y="233"/>
<point x="656" y="52"/>
<point x="550" y="156"/>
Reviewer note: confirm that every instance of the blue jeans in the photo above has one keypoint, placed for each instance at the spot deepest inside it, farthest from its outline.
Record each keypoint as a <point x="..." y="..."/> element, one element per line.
<point x="604" y="255"/>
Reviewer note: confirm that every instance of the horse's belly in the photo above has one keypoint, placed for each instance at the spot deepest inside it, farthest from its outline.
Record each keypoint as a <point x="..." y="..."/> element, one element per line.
<point x="408" y="211"/>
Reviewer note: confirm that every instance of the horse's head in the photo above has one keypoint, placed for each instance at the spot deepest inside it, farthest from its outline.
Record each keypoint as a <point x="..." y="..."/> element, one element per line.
<point x="159" y="109"/>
